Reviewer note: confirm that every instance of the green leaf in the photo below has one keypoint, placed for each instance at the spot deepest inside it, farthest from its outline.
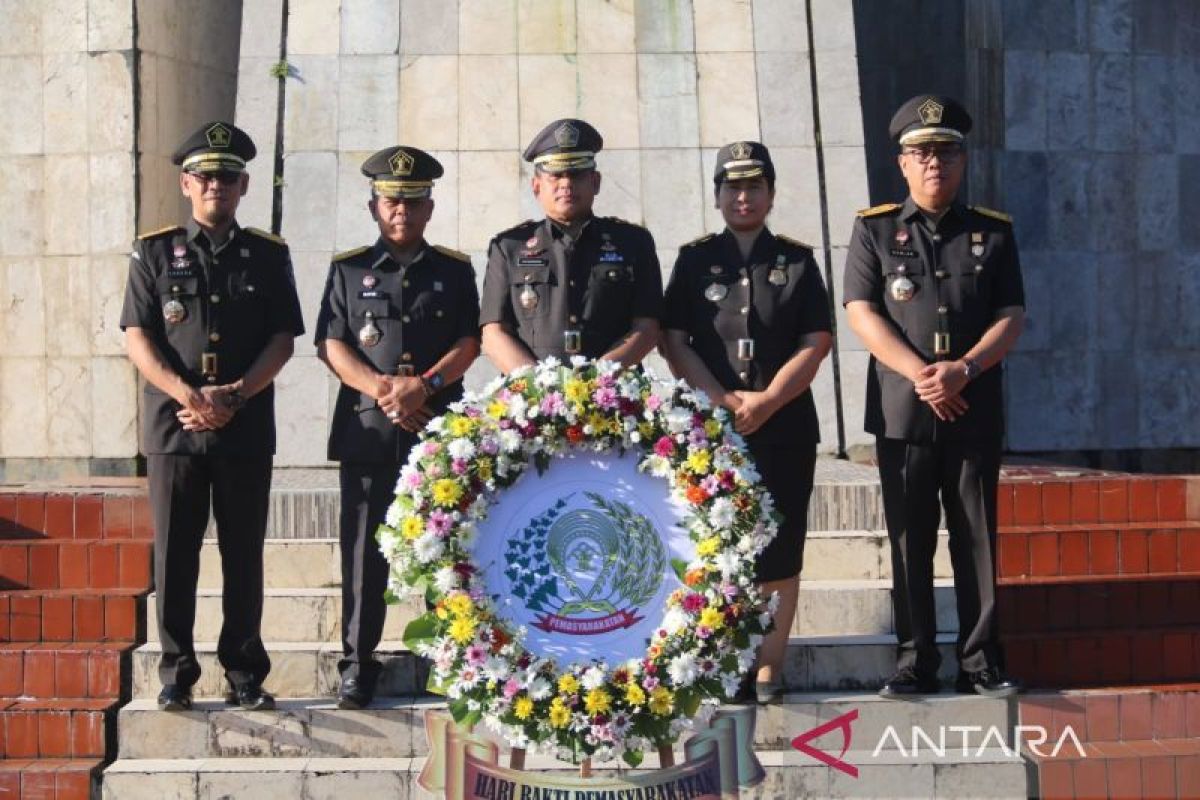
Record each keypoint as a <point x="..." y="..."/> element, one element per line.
<point x="680" y="567"/>
<point x="632" y="757"/>
<point x="458" y="710"/>
<point x="421" y="631"/>
<point x="689" y="702"/>
<point x="390" y="597"/>
<point x="433" y="686"/>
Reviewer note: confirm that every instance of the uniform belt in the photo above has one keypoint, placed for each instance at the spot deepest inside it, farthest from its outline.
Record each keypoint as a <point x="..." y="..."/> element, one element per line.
<point x="208" y="366"/>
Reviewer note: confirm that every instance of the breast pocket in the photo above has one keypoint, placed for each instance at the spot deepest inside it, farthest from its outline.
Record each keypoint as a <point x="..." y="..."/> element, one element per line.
<point x="904" y="283"/>
<point x="974" y="285"/>
<point x="244" y="313"/>
<point x="530" y="287"/>
<point x="432" y="312"/>
<point x="610" y="286"/>
<point x="179" y="301"/>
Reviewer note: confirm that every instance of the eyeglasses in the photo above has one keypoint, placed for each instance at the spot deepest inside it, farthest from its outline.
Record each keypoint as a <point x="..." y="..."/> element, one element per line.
<point x="223" y="178"/>
<point x="946" y="153"/>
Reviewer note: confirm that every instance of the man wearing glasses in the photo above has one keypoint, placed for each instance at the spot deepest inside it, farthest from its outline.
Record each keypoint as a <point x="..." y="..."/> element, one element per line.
<point x="209" y="317"/>
<point x="574" y="283"/>
<point x="933" y="288"/>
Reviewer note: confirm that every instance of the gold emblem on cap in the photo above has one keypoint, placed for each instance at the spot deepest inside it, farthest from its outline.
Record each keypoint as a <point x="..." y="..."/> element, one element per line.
<point x="401" y="163"/>
<point x="566" y="135"/>
<point x="218" y="136"/>
<point x="740" y="150"/>
<point x="931" y="112"/>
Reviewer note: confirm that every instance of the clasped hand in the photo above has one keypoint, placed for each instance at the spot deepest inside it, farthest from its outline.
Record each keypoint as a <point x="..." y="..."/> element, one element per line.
<point x="208" y="408"/>
<point x="940" y="385"/>
<point x="403" y="401"/>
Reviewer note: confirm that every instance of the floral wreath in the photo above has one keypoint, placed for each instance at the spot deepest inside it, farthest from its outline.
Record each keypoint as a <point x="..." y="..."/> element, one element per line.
<point x="712" y="625"/>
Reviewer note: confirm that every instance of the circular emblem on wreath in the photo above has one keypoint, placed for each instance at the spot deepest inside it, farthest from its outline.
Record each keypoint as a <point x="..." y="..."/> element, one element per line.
<point x="585" y="539"/>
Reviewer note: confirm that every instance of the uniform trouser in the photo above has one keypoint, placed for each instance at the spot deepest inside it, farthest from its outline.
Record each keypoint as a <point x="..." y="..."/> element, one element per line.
<point x="965" y="474"/>
<point x="367" y="491"/>
<point x="181" y="489"/>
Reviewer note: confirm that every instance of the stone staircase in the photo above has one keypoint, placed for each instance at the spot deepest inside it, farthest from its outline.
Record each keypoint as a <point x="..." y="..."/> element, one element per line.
<point x="74" y="565"/>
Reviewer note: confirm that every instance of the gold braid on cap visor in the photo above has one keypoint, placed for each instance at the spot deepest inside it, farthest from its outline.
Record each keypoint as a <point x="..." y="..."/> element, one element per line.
<point x="406" y="190"/>
<point x="566" y="162"/>
<point x="922" y="135"/>
<point x="213" y="162"/>
<point x="742" y="168"/>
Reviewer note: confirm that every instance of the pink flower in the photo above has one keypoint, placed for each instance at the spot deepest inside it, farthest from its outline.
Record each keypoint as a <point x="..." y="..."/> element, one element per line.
<point x="703" y="631"/>
<point x="653" y="402"/>
<point x="693" y="602"/>
<point x="552" y="404"/>
<point x="458" y="466"/>
<point x="711" y="484"/>
<point x="412" y="480"/>
<point x="511" y="687"/>
<point x="729" y="591"/>
<point x="664" y="446"/>
<point x="476" y="655"/>
<point x="439" y="523"/>
<point x="650" y="683"/>
<point x="430" y="448"/>
<point x="605" y="397"/>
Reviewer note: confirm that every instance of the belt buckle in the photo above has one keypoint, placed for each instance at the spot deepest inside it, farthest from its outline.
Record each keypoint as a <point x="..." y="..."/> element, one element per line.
<point x="208" y="365"/>
<point x="406" y="371"/>
<point x="572" y="342"/>
<point x="745" y="349"/>
<point x="941" y="344"/>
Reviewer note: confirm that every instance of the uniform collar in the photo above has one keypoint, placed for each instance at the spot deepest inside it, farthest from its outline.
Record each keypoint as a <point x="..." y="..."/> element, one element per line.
<point x="380" y="254"/>
<point x="559" y="231"/>
<point x="194" y="231"/>
<point x="911" y="210"/>
<point x="759" y="251"/>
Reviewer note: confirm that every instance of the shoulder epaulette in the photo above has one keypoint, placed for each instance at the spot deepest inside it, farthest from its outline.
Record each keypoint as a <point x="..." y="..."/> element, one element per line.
<point x="351" y="253"/>
<point x="160" y="232"/>
<point x="515" y="227"/>
<point x="626" y="222"/>
<point x="266" y="235"/>
<point x="452" y="253"/>
<point x="875" y="211"/>
<point x="792" y="241"/>
<point x="991" y="212"/>
<point x="699" y="240"/>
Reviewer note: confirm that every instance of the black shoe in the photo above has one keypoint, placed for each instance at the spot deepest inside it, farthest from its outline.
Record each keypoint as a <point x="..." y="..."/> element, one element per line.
<point x="175" y="698"/>
<point x="989" y="682"/>
<point x="249" y="696"/>
<point x="354" y="695"/>
<point x="907" y="681"/>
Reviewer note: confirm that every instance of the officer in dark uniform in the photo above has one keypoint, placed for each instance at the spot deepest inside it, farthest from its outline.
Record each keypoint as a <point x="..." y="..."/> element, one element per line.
<point x="933" y="288"/>
<point x="747" y="322"/>
<point x="209" y="317"/>
<point x="574" y="283"/>
<point x="399" y="325"/>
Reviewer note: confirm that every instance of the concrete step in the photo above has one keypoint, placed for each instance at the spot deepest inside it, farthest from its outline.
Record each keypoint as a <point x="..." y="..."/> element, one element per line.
<point x="789" y="775"/>
<point x="394" y="728"/>
<point x="824" y="608"/>
<point x="309" y="669"/>
<point x="828" y="555"/>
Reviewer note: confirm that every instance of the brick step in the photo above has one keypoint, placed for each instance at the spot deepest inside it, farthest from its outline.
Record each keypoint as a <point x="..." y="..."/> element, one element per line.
<point x="1116" y="714"/>
<point x="1132" y="656"/>
<point x="64" y="615"/>
<point x="58" y="778"/>
<point x="75" y="564"/>
<point x="1168" y="600"/>
<point x="824" y="608"/>
<point x="1127" y="770"/>
<point x="61" y="671"/>
<point x="1107" y="498"/>
<point x="84" y="514"/>
<point x="1098" y="549"/>
<point x="395" y="727"/>
<point x="56" y="728"/>
<point x="309" y="669"/>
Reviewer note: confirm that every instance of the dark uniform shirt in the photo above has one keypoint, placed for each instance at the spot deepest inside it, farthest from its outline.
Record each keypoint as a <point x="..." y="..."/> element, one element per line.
<point x="596" y="284"/>
<point x="775" y="298"/>
<point x="420" y="311"/>
<point x="234" y="298"/>
<point x="962" y="272"/>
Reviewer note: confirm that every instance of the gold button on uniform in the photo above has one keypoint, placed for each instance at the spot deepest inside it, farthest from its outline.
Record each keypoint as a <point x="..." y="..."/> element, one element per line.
<point x="216" y="298"/>
<point x="405" y="284"/>
<point x="745" y="309"/>
<point x="574" y="319"/>
<point x="745" y="281"/>
<point x="744" y="375"/>
<point x="214" y="337"/>
<point x="438" y="313"/>
<point x="406" y="357"/>
<point x="404" y="318"/>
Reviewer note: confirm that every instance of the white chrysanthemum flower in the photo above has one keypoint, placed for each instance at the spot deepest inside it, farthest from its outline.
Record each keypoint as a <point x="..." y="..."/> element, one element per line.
<point x="682" y="669"/>
<point x="593" y="677"/>
<point x="539" y="689"/>
<point x="428" y="547"/>
<point x="579" y="361"/>
<point x="496" y="668"/>
<point x="675" y="620"/>
<point x="445" y="580"/>
<point x="705" y="712"/>
<point x="730" y="681"/>
<point x="461" y="448"/>
<point x="679" y="420"/>
<point x="727" y="562"/>
<point x="510" y="441"/>
<point x="436" y="425"/>
<point x="722" y="513"/>
<point x="392" y="517"/>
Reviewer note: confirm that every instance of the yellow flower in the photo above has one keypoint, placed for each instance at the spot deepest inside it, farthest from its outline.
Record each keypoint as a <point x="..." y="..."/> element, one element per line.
<point x="461" y="426"/>
<point x="496" y="409"/>
<point x="712" y="428"/>
<point x="598" y="422"/>
<point x="708" y="547"/>
<point x="698" y="461"/>
<point x="523" y="707"/>
<point x="560" y="715"/>
<point x="412" y="527"/>
<point x="568" y="684"/>
<point x="576" y="391"/>
<point x="484" y="467"/>
<point x="460" y="605"/>
<point x="446" y="492"/>
<point x="597" y="701"/>
<point x="661" y="701"/>
<point x="712" y="618"/>
<point x="646" y="429"/>
<point x="462" y="630"/>
<point x="635" y="695"/>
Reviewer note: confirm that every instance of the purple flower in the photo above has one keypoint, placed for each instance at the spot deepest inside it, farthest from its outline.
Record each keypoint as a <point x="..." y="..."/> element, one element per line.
<point x="490" y="446"/>
<point x="649" y="683"/>
<point x="711" y="484"/>
<point x="476" y="655"/>
<point x="605" y="397"/>
<point x="729" y="591"/>
<point x="552" y="404"/>
<point x="697" y="438"/>
<point x="439" y="523"/>
<point x="458" y="466"/>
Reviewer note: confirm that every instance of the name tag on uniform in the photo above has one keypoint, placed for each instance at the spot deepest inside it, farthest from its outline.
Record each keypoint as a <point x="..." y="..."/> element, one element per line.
<point x="437" y="286"/>
<point x="612" y="258"/>
<point x="244" y="252"/>
<point x="180" y="266"/>
<point x="532" y="262"/>
<point x="372" y="294"/>
<point x="900" y="252"/>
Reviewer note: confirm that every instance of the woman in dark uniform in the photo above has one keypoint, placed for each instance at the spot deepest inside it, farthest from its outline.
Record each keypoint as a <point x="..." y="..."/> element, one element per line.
<point x="747" y="322"/>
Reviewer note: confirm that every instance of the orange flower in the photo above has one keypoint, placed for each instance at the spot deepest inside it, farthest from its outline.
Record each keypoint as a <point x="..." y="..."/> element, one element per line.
<point x="693" y="577"/>
<point x="574" y="434"/>
<point x="696" y="495"/>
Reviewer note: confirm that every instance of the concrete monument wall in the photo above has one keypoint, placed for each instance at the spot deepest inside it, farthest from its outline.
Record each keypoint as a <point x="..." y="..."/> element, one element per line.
<point x="666" y="83"/>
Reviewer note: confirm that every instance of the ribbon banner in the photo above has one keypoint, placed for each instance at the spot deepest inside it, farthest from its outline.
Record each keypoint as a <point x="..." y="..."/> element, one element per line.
<point x="462" y="765"/>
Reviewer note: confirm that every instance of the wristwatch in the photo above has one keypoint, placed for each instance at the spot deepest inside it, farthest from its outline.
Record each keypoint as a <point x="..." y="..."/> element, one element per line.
<point x="970" y="369"/>
<point x="433" y="382"/>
